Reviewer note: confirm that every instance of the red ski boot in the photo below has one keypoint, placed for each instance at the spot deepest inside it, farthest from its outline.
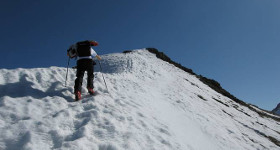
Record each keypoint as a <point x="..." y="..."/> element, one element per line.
<point x="78" y="95"/>
<point x="90" y="91"/>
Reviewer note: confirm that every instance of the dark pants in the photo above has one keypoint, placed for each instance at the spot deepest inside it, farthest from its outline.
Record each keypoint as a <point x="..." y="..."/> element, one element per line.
<point x="82" y="66"/>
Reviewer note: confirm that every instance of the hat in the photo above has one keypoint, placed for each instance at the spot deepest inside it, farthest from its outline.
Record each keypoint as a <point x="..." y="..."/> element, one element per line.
<point x="93" y="43"/>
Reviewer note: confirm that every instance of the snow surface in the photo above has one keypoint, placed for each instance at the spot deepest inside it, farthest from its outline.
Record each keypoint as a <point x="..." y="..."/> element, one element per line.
<point x="151" y="105"/>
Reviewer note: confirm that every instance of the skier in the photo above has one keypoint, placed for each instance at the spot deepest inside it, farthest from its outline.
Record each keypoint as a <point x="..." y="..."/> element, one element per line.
<point x="83" y="52"/>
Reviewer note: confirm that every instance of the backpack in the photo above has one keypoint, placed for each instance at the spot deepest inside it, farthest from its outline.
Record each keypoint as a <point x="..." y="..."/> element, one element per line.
<point x="80" y="49"/>
<point x="83" y="48"/>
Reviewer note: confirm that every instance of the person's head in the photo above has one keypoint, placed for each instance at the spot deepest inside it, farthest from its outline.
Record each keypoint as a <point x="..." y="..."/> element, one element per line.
<point x="93" y="43"/>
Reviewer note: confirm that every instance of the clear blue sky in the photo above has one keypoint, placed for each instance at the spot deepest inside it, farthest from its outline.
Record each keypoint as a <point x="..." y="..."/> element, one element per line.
<point x="236" y="42"/>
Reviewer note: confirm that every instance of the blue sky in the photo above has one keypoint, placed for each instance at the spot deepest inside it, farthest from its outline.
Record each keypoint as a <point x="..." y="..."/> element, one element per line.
<point x="236" y="42"/>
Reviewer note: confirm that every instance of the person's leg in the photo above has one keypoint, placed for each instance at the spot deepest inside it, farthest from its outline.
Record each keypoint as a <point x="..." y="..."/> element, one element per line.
<point x="79" y="76"/>
<point x="90" y="70"/>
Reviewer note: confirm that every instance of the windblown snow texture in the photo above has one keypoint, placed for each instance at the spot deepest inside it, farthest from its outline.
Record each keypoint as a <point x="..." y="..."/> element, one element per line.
<point x="151" y="105"/>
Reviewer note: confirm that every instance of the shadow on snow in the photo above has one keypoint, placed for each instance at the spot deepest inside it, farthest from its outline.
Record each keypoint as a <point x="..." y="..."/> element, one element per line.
<point x="24" y="88"/>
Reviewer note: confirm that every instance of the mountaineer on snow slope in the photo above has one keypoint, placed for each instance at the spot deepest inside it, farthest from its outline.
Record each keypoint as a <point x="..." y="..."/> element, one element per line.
<point x="83" y="52"/>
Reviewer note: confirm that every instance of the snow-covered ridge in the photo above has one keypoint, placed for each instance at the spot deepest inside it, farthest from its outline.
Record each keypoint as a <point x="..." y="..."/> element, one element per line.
<point x="150" y="105"/>
<point x="214" y="85"/>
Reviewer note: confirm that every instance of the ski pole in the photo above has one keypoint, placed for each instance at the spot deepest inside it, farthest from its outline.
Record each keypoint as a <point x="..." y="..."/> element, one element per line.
<point x="102" y="75"/>
<point x="67" y="71"/>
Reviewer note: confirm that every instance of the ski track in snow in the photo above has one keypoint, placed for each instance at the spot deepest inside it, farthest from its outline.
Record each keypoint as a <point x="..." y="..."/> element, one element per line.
<point x="150" y="105"/>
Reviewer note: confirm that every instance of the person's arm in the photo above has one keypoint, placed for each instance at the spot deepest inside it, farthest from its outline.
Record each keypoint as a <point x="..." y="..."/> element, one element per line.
<point x="94" y="54"/>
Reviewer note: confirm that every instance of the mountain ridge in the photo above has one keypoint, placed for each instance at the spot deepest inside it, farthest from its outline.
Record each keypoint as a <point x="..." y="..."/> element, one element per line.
<point x="215" y="85"/>
<point x="276" y="110"/>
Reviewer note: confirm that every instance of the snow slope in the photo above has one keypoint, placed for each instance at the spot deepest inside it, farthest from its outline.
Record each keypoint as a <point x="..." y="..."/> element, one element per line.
<point x="151" y="105"/>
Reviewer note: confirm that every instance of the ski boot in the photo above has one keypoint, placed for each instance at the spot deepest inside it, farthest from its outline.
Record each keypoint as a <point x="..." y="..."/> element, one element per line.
<point x="90" y="91"/>
<point x="78" y="95"/>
